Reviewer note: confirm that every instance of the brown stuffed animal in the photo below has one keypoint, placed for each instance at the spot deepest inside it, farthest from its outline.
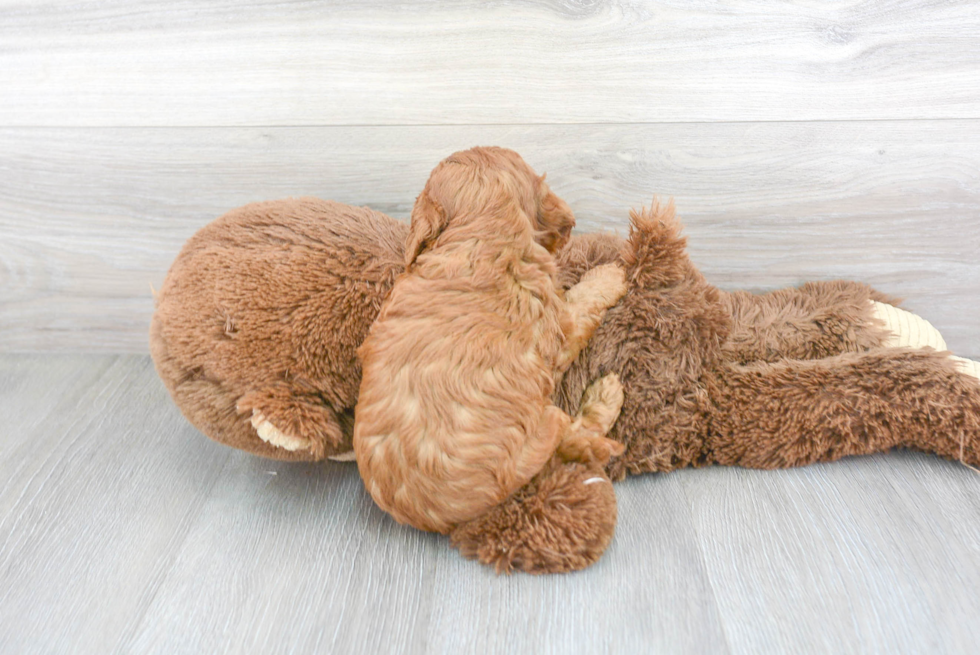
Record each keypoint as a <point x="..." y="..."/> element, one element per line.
<point x="259" y="318"/>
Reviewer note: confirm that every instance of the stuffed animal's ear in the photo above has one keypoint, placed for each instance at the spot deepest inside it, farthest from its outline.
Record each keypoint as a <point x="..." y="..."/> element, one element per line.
<point x="428" y="220"/>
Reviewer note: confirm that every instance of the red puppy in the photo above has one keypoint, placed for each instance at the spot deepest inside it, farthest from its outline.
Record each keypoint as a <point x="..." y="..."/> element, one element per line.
<point x="454" y="412"/>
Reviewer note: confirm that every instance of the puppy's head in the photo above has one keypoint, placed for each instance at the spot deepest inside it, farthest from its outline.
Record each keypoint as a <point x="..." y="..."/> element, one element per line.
<point x="472" y="184"/>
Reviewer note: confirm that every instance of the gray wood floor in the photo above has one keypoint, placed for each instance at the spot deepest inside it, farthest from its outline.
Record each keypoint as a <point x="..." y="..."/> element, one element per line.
<point x="122" y="529"/>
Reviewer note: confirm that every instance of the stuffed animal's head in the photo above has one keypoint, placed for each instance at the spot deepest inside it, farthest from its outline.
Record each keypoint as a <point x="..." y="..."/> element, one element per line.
<point x="488" y="185"/>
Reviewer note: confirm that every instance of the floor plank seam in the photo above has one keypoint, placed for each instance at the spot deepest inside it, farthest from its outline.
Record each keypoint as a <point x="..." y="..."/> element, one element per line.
<point x="288" y="126"/>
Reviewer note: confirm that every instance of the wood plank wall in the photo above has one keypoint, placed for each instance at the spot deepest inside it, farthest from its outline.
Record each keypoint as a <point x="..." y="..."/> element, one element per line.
<point x="800" y="140"/>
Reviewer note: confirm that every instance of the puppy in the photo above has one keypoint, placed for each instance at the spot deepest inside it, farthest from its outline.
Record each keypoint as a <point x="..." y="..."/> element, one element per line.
<point x="454" y="410"/>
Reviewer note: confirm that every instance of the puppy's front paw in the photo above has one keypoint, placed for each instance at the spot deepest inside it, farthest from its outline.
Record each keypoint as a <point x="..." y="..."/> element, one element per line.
<point x="603" y="285"/>
<point x="272" y="435"/>
<point x="601" y="403"/>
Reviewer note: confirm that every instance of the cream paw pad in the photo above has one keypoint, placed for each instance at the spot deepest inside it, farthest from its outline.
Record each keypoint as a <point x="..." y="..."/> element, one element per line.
<point x="911" y="331"/>
<point x="907" y="329"/>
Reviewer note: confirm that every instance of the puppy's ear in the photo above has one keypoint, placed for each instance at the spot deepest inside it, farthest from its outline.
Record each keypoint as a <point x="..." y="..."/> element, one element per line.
<point x="428" y="220"/>
<point x="555" y="221"/>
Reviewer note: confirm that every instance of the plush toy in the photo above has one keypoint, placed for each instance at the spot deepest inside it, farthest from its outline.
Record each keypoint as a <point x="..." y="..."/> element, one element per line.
<point x="259" y="318"/>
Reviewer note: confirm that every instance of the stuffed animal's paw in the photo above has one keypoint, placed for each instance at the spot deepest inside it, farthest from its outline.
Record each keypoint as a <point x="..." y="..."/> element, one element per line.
<point x="906" y="329"/>
<point x="272" y="435"/>
<point x="967" y="366"/>
<point x="561" y="521"/>
<point x="294" y="424"/>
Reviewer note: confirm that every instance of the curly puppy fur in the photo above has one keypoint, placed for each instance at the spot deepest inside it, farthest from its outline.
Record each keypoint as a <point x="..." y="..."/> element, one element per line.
<point x="454" y="412"/>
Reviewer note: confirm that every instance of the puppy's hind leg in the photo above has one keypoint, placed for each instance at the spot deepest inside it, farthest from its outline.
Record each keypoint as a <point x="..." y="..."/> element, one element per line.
<point x="552" y="427"/>
<point x="579" y="439"/>
<point x="585" y="439"/>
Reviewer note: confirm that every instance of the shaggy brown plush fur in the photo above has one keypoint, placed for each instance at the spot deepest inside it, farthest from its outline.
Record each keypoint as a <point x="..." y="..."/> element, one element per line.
<point x="706" y="383"/>
<point x="264" y="309"/>
<point x="562" y="520"/>
<point x="454" y="413"/>
<point x="782" y="379"/>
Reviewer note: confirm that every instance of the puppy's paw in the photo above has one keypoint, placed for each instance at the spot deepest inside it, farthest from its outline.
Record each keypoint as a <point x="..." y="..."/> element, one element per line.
<point x="603" y="286"/>
<point x="589" y="448"/>
<point x="585" y="440"/>
<point x="602" y="403"/>
<point x="272" y="435"/>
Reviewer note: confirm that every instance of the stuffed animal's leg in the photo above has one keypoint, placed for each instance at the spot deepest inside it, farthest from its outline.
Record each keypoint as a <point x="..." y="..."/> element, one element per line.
<point x="798" y="412"/>
<point x="562" y="520"/>
<point x="585" y="305"/>
<point x="296" y="422"/>
<point x="967" y="366"/>
<point x="816" y="320"/>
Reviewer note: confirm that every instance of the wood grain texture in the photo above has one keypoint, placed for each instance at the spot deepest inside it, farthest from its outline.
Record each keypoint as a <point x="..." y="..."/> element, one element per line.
<point x="264" y="62"/>
<point x="122" y="529"/>
<point x="98" y="493"/>
<point x="879" y="553"/>
<point x="91" y="218"/>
